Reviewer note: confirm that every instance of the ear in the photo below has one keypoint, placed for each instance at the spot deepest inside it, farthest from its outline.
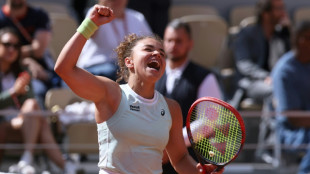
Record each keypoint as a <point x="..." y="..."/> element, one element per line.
<point x="129" y="62"/>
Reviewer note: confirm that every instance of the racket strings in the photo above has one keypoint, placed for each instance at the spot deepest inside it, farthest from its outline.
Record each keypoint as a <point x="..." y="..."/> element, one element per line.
<point x="216" y="132"/>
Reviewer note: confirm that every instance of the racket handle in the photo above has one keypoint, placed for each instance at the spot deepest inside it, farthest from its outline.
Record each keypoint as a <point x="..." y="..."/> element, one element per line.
<point x="204" y="170"/>
<point x="218" y="169"/>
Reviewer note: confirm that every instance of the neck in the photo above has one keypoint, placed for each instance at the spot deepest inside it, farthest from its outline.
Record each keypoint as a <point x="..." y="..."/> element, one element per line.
<point x="142" y="88"/>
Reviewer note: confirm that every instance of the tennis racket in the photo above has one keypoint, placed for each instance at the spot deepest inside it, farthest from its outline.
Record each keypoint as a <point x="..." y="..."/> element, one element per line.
<point x="215" y="130"/>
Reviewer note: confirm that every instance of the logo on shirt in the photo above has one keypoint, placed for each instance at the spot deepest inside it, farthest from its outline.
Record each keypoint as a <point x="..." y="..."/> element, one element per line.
<point x="134" y="108"/>
<point x="162" y="113"/>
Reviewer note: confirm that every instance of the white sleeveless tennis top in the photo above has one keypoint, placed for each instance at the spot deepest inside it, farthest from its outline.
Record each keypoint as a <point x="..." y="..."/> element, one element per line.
<point x="133" y="139"/>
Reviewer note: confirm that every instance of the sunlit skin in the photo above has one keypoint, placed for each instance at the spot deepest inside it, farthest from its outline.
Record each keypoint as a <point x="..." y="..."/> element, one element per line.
<point x="145" y="52"/>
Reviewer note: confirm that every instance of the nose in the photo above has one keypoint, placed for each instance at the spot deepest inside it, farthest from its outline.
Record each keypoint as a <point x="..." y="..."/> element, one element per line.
<point x="156" y="53"/>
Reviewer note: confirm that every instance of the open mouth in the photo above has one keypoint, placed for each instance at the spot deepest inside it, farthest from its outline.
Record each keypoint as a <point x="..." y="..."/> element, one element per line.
<point x="154" y="64"/>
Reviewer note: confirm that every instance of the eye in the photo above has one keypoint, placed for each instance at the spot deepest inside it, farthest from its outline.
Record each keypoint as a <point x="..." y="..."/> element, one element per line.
<point x="148" y="49"/>
<point x="163" y="54"/>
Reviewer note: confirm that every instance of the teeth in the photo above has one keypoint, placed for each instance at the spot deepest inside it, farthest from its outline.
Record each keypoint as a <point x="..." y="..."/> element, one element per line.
<point x="154" y="61"/>
<point x="154" y="64"/>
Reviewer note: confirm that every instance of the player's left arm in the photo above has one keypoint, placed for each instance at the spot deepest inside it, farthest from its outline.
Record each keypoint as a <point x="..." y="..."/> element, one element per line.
<point x="176" y="149"/>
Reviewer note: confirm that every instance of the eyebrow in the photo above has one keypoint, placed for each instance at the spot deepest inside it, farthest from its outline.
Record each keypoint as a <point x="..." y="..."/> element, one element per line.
<point x="152" y="46"/>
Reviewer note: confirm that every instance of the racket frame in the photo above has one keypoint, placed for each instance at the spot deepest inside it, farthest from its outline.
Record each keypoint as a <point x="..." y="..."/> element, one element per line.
<point x="200" y="158"/>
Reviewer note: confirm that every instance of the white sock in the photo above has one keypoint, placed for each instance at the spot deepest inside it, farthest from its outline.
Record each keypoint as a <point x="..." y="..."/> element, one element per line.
<point x="27" y="157"/>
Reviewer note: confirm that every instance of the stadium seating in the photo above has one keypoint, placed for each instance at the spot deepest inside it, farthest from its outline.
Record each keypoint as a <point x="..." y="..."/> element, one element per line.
<point x="177" y="11"/>
<point x="209" y="33"/>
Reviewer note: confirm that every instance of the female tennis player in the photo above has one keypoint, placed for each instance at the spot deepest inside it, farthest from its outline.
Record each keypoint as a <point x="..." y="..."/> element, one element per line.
<point x="135" y="122"/>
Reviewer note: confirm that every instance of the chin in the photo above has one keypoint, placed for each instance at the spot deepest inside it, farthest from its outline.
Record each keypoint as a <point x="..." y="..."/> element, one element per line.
<point x="153" y="78"/>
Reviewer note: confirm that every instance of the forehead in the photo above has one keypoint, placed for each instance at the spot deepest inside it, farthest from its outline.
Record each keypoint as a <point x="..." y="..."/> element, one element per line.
<point x="149" y="42"/>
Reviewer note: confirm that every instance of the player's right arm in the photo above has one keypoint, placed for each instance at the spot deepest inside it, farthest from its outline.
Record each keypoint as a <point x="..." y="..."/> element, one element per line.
<point x="84" y="84"/>
<point x="104" y="92"/>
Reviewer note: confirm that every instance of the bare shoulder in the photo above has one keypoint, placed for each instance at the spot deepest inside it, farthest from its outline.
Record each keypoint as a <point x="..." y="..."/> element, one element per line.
<point x="110" y="88"/>
<point x="172" y="103"/>
<point x="108" y="99"/>
<point x="109" y="92"/>
<point x="174" y="107"/>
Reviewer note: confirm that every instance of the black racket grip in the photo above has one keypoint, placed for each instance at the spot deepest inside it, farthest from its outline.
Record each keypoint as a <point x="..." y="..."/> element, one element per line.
<point x="218" y="168"/>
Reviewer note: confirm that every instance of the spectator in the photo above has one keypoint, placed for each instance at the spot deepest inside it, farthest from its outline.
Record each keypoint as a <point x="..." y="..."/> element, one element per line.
<point x="184" y="81"/>
<point x="257" y="47"/>
<point x="98" y="56"/>
<point x="33" y="25"/>
<point x="156" y="13"/>
<point x="16" y="93"/>
<point x="291" y="92"/>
